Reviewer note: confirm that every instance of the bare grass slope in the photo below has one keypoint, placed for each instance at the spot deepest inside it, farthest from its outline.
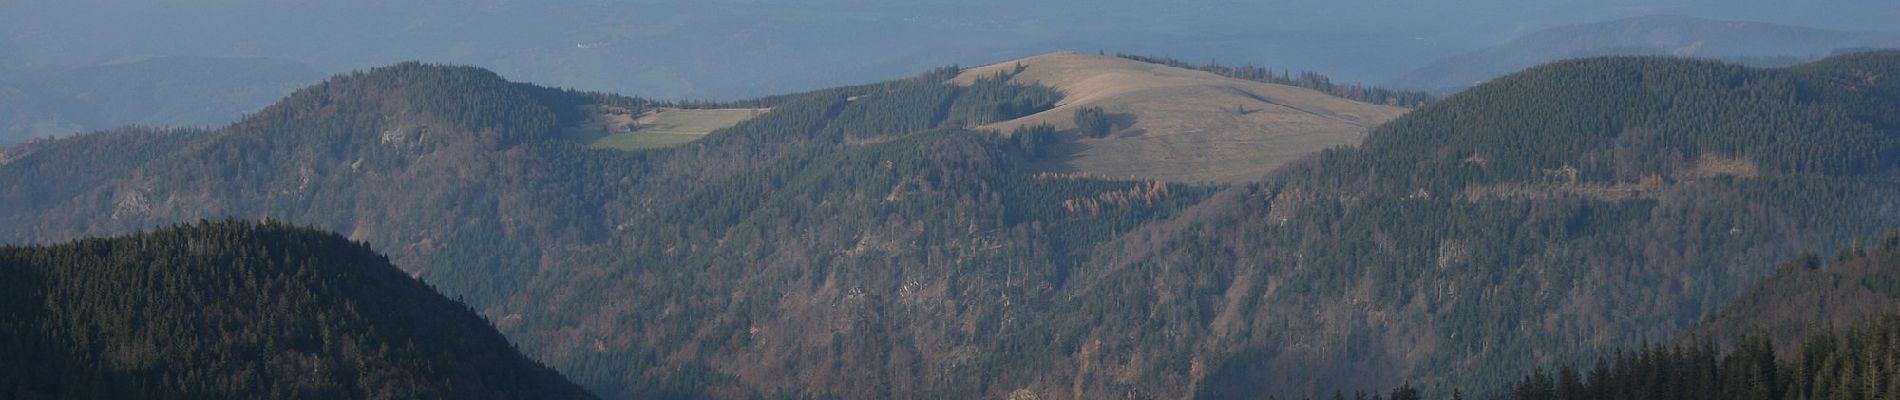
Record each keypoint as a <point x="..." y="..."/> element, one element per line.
<point x="1182" y="125"/>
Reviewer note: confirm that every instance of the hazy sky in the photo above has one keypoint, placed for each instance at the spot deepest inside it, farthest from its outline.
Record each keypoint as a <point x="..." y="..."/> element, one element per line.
<point x="736" y="48"/>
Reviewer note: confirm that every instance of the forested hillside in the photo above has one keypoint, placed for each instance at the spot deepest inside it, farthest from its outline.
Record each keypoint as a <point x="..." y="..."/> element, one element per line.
<point x="1752" y="43"/>
<point x="1810" y="294"/>
<point x="863" y="242"/>
<point x="1858" y="363"/>
<point x="1577" y="206"/>
<point x="1813" y="330"/>
<point x="238" y="310"/>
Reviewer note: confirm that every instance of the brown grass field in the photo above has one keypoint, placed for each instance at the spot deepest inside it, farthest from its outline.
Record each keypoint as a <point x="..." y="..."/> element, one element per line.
<point x="1183" y="125"/>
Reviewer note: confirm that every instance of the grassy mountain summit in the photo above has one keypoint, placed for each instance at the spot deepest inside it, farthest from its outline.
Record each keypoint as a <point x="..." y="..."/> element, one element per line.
<point x="1177" y="124"/>
<point x="242" y="310"/>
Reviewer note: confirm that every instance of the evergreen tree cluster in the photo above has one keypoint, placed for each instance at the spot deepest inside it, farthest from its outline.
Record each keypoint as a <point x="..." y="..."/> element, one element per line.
<point x="996" y="99"/>
<point x="1034" y="140"/>
<point x="1093" y="122"/>
<point x="238" y="310"/>
<point x="929" y="101"/>
<point x="1861" y="363"/>
<point x="1779" y="341"/>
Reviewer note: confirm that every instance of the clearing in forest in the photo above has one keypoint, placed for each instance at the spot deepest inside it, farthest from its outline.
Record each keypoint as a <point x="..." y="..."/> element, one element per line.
<point x="661" y="128"/>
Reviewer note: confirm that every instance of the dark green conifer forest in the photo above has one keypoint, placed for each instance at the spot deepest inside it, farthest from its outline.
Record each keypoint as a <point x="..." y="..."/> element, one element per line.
<point x="1842" y="345"/>
<point x="237" y="310"/>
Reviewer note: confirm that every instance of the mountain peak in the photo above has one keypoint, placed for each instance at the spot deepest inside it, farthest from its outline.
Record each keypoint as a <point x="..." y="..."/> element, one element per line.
<point x="1179" y="124"/>
<point x="424" y="105"/>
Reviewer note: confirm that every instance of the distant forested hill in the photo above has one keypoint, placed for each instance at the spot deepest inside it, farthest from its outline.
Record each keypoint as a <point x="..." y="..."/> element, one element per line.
<point x="159" y="92"/>
<point x="1753" y="43"/>
<point x="863" y="242"/>
<point x="238" y="310"/>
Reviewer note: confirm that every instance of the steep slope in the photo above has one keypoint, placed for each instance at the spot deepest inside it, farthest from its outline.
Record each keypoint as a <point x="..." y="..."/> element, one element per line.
<point x="1807" y="295"/>
<point x="1573" y="207"/>
<point x="1181" y="125"/>
<point x="371" y="155"/>
<point x="1812" y="330"/>
<point x="622" y="267"/>
<point x="239" y="310"/>
<point x="1748" y="42"/>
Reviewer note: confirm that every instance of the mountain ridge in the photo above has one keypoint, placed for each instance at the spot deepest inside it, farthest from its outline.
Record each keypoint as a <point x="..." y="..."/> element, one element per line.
<point x="1370" y="248"/>
<point x="156" y="91"/>
<point x="858" y="242"/>
<point x="1756" y="43"/>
